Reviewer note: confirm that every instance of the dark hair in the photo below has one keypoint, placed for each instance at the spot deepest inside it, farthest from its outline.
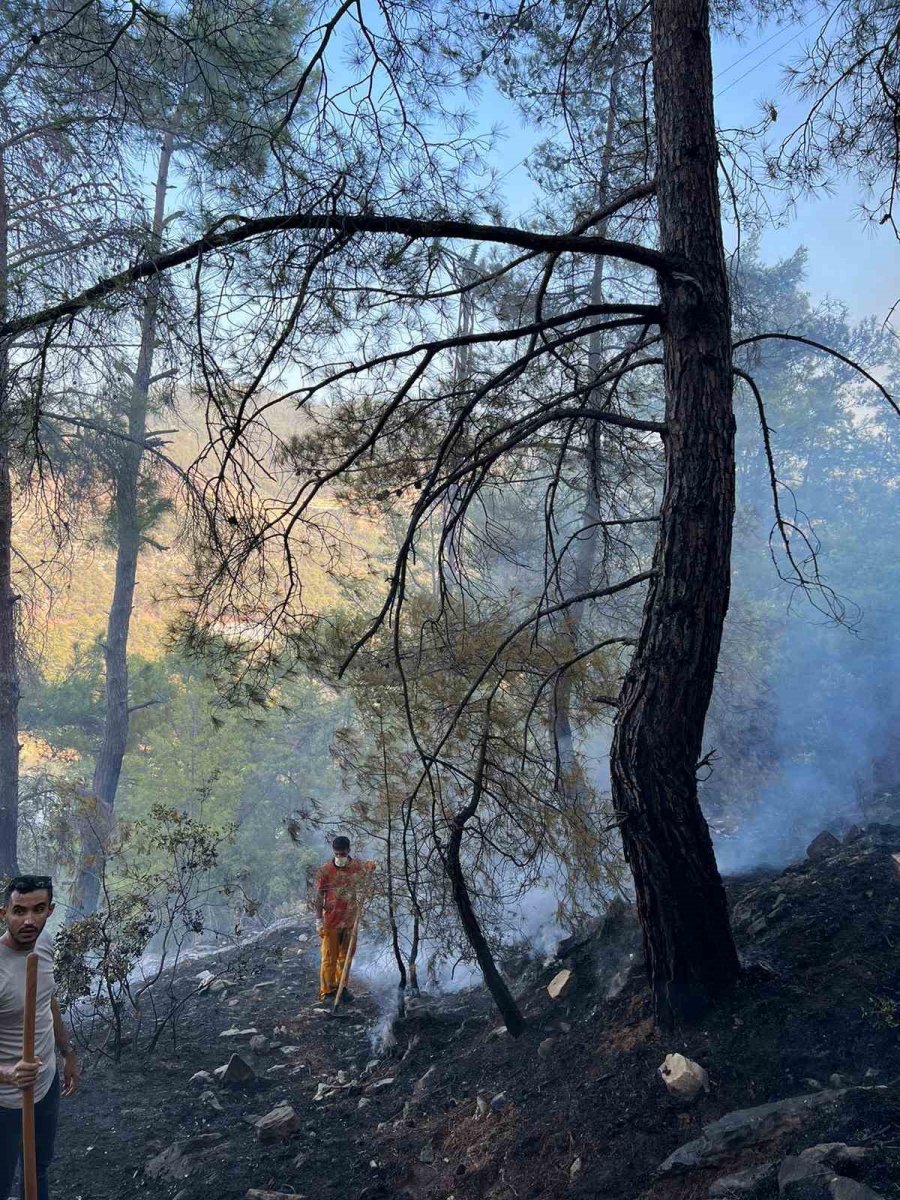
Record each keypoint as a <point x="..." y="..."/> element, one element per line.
<point x="341" y="844"/>
<point x="28" y="883"/>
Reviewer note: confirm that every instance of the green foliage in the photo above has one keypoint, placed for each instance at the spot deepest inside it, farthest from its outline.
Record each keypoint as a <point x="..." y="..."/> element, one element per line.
<point x="166" y="876"/>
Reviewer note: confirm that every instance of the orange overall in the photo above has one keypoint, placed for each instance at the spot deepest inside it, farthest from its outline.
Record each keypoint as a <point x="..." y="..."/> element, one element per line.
<point x="339" y="888"/>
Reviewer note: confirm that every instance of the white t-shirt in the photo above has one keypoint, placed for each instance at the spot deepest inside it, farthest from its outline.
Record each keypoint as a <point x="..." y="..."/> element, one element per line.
<point x="12" y="1018"/>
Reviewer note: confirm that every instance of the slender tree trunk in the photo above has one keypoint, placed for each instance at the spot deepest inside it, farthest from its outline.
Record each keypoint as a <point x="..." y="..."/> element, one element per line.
<point x="689" y="948"/>
<point x="9" y="675"/>
<point x="108" y="768"/>
<point x="494" y="981"/>
<point x="586" y="542"/>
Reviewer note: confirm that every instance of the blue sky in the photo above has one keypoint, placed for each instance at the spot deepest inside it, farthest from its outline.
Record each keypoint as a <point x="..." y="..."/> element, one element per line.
<point x="849" y="258"/>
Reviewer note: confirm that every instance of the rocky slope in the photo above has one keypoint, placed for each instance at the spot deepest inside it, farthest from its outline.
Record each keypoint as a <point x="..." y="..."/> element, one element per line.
<point x="803" y="1066"/>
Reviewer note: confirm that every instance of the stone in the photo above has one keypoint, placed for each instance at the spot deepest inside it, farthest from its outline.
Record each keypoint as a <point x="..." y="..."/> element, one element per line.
<point x="545" y="1049"/>
<point x="499" y="1102"/>
<point x="854" y="834"/>
<point x="804" y="1177"/>
<point x="426" y="1154"/>
<point x="235" y="1072"/>
<point x="181" y="1159"/>
<point x="256" y="1194"/>
<point x="282" y="1122"/>
<point x="683" y="1077"/>
<point x="822" y="847"/>
<point x="743" y="1183"/>
<point x="363" y="1102"/>
<point x="201" y="1079"/>
<point x="482" y="1105"/>
<point x="576" y="1168"/>
<point x="499" y="1032"/>
<point x="423" y="1085"/>
<point x="379" y="1085"/>
<point x="842" y="1188"/>
<point x="561" y="985"/>
<point x="238" y="1033"/>
<point x="211" y="1100"/>
<point x="749" y="1127"/>
<point x="839" y="1081"/>
<point x="259" y="1043"/>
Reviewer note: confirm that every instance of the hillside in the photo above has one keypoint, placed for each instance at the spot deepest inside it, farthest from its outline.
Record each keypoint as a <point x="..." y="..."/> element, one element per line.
<point x="450" y="1106"/>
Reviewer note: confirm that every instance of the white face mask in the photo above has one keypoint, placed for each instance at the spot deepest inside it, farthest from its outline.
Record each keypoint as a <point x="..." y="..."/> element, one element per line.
<point x="341" y="860"/>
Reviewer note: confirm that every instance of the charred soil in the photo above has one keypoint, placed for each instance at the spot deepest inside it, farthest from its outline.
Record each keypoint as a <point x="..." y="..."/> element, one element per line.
<point x="455" y="1107"/>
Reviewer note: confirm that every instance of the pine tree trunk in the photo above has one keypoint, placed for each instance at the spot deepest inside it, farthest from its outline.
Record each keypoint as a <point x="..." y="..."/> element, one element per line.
<point x="689" y="948"/>
<point x="9" y="675"/>
<point x="98" y="821"/>
<point x="586" y="543"/>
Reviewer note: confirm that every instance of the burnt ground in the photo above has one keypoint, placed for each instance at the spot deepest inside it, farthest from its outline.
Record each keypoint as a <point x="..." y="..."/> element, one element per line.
<point x="580" y="1108"/>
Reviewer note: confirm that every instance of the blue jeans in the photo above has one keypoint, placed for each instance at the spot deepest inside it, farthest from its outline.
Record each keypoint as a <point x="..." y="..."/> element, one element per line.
<point x="46" y="1114"/>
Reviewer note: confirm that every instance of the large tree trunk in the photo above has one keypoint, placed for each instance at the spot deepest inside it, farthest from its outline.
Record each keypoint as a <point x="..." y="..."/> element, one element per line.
<point x="9" y="675"/>
<point x="98" y="821"/>
<point x="689" y="949"/>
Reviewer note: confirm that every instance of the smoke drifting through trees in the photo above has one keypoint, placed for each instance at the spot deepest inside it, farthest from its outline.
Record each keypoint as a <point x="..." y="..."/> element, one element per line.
<point x="332" y="282"/>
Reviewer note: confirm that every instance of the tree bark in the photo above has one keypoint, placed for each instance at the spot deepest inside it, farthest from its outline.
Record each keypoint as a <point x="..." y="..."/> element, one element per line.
<point x="586" y="542"/>
<point x="9" y="674"/>
<point x="688" y="944"/>
<point x="98" y="822"/>
<point x="494" y="981"/>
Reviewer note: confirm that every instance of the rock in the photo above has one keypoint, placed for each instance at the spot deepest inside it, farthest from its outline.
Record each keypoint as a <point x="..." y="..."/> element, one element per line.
<point x="839" y="1081"/>
<point x="211" y="1100"/>
<point x="278" y="1124"/>
<point x="545" y="1049"/>
<point x="499" y="1102"/>
<point x="216" y="985"/>
<point x="256" y="1194"/>
<point x="575" y="1168"/>
<point x="499" y="1032"/>
<point x="181" y="1159"/>
<point x="560" y="986"/>
<point x="277" y="1069"/>
<point x="842" y="1188"/>
<point x="423" y="1085"/>
<point x="235" y="1072"/>
<point x="683" y="1077"/>
<point x="426" y="1154"/>
<point x="259" y="1043"/>
<point x="482" y="1106"/>
<point x="854" y="834"/>
<point x="839" y="1154"/>
<point x="822" y="846"/>
<point x="363" y="1102"/>
<point x="743" y="1183"/>
<point x="804" y="1177"/>
<point x="379" y="1085"/>
<point x="201" y="1079"/>
<point x="238" y="1033"/>
<point x="748" y="1127"/>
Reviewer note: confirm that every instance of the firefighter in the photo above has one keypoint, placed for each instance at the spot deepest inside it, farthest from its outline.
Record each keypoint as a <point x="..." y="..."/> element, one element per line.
<point x="339" y="889"/>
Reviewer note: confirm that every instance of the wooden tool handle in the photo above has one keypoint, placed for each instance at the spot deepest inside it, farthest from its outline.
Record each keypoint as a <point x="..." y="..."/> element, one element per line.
<point x="29" y="1161"/>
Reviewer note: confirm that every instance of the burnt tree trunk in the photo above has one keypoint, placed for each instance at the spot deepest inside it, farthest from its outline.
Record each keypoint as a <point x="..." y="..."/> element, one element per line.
<point x="494" y="981"/>
<point x="688" y="944"/>
<point x="9" y="674"/>
<point x="98" y="821"/>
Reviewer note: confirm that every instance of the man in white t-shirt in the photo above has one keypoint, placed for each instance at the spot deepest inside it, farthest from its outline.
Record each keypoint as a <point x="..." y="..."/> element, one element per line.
<point x="28" y="903"/>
